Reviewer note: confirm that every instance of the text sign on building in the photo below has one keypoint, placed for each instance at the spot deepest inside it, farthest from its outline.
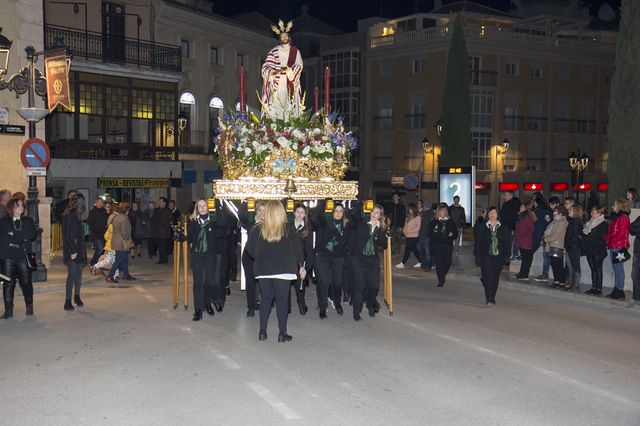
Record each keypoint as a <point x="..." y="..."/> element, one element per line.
<point x="57" y="66"/>
<point x="11" y="129"/>
<point x="458" y="181"/>
<point x="4" y="115"/>
<point x="35" y="153"/>
<point x="36" y="171"/>
<point x="133" y="182"/>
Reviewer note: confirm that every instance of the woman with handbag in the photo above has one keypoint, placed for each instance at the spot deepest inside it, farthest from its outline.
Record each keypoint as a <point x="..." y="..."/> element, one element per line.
<point x="554" y="245"/>
<point x="594" y="247"/>
<point x="278" y="260"/>
<point x="618" y="244"/>
<point x="74" y="251"/>
<point x="121" y="242"/>
<point x="572" y="246"/>
<point x="17" y="231"/>
<point x="493" y="247"/>
<point x="442" y="232"/>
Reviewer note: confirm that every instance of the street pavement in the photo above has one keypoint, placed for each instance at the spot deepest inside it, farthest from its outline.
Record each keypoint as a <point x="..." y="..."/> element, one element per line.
<point x="540" y="357"/>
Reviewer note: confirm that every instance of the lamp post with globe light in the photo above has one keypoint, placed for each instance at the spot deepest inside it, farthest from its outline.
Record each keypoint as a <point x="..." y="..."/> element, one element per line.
<point x="578" y="162"/>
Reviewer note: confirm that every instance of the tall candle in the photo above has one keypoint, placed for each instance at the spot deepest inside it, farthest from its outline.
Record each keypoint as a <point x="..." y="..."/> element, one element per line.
<point x="316" y="99"/>
<point x="327" y="79"/>
<point x="242" y="99"/>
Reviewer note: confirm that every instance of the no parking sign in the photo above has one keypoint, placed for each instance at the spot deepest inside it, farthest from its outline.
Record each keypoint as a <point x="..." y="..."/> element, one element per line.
<point x="35" y="153"/>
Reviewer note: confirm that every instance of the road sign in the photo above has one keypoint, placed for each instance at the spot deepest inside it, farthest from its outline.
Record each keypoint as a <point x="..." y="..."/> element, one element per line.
<point x="397" y="180"/>
<point x="36" y="171"/>
<point x="35" y="153"/>
<point x="411" y="181"/>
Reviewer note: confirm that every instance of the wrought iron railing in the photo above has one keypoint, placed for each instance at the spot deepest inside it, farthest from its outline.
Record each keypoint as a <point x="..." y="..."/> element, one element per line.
<point x="115" y="49"/>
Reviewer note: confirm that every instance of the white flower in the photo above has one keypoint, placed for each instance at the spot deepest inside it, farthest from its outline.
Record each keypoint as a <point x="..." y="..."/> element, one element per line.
<point x="306" y="150"/>
<point x="284" y="143"/>
<point x="317" y="131"/>
<point x="273" y="126"/>
<point x="298" y="134"/>
<point x="247" y="151"/>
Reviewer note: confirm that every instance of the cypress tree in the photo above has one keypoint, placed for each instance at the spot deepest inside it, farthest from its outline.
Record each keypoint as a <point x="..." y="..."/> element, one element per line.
<point x="624" y="106"/>
<point x="456" y="107"/>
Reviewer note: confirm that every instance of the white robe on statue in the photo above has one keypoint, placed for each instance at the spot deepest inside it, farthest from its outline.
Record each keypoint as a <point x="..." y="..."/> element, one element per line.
<point x="281" y="92"/>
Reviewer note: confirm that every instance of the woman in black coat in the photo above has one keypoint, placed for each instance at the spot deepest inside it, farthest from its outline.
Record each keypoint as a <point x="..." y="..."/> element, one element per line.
<point x="206" y="244"/>
<point x="493" y="247"/>
<point x="245" y="260"/>
<point x="17" y="231"/>
<point x="74" y="251"/>
<point x="277" y="260"/>
<point x="594" y="247"/>
<point x="572" y="246"/>
<point x="442" y="232"/>
<point x="302" y="229"/>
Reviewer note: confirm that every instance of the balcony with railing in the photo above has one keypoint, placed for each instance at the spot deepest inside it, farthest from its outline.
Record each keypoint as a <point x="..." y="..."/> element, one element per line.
<point x="112" y="151"/>
<point x="537" y="124"/>
<point x="414" y="121"/>
<point x="91" y="45"/>
<point x="568" y="125"/>
<point x="383" y="122"/>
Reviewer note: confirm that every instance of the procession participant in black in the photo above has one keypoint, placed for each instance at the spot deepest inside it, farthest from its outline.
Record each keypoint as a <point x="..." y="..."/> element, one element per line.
<point x="330" y="251"/>
<point x="493" y="247"/>
<point x="442" y="232"/>
<point x="369" y="237"/>
<point x="278" y="260"/>
<point x="206" y="255"/>
<point x="228" y="221"/>
<point x="74" y="252"/>
<point x="302" y="229"/>
<point x="247" y="262"/>
<point x="17" y="231"/>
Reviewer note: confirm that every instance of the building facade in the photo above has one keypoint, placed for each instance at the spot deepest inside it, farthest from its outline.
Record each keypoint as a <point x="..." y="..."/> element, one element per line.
<point x="539" y="82"/>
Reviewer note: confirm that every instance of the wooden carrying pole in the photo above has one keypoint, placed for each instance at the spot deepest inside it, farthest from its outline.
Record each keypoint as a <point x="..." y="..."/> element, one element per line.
<point x="185" y="252"/>
<point x="176" y="273"/>
<point x="388" y="277"/>
<point x="181" y="251"/>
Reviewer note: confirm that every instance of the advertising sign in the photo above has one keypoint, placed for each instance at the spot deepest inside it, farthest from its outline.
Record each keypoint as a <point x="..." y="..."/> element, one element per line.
<point x="458" y="181"/>
<point x="57" y="66"/>
<point x="133" y="182"/>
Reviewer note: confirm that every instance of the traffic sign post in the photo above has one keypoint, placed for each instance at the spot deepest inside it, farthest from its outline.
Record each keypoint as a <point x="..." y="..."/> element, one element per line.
<point x="35" y="153"/>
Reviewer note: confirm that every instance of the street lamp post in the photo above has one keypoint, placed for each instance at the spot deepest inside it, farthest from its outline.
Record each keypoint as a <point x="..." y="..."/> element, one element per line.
<point x="502" y="151"/>
<point x="29" y="80"/>
<point x="427" y="149"/>
<point x="578" y="163"/>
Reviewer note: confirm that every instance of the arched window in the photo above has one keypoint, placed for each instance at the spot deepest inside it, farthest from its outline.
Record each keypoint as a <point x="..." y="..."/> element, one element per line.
<point x="216" y="107"/>
<point x="216" y="102"/>
<point x="186" y="116"/>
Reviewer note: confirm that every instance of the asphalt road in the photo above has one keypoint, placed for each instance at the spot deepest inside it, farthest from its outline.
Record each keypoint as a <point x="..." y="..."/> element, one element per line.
<point x="128" y="358"/>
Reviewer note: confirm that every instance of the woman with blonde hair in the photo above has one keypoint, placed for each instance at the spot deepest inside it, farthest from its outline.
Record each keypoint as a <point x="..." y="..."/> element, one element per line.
<point x="277" y="260"/>
<point x="442" y="233"/>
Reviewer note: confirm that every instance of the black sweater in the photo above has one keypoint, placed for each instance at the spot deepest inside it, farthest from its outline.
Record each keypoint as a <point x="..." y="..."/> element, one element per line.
<point x="593" y="244"/>
<point x="483" y="241"/>
<point x="439" y="231"/>
<point x="326" y="230"/>
<point x="97" y="221"/>
<point x="306" y="242"/>
<point x="362" y="232"/>
<point x="73" y="238"/>
<point x="281" y="257"/>
<point x="572" y="235"/>
<point x="215" y="234"/>
<point x="16" y="240"/>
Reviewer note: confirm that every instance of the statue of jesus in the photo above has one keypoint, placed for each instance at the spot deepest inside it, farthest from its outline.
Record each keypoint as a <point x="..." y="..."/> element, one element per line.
<point x="281" y="92"/>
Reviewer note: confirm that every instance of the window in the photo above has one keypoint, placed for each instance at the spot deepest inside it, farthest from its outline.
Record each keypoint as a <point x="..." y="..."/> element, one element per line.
<point x="481" y="155"/>
<point x="187" y="98"/>
<point x="239" y="59"/>
<point x="213" y="56"/>
<point x="184" y="48"/>
<point x="216" y="107"/>
<point x="586" y="73"/>
<point x="482" y="108"/>
<point x="474" y="69"/>
<point x="386" y="119"/>
<point x="386" y="69"/>
<point x="584" y="123"/>
<point x="187" y="111"/>
<point x="344" y="68"/>
<point x="408" y="25"/>
<point x="563" y="71"/>
<point x="512" y="68"/>
<point x="418" y="65"/>
<point x="535" y="161"/>
<point x="535" y="121"/>
<point x="535" y="71"/>
<point x="117" y="111"/>
<point x="560" y="163"/>
<point x="562" y="122"/>
<point x="417" y="116"/>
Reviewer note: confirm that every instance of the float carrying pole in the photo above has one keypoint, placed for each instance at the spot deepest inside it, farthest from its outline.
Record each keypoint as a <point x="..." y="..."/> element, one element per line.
<point x="185" y="252"/>
<point x="388" y="277"/>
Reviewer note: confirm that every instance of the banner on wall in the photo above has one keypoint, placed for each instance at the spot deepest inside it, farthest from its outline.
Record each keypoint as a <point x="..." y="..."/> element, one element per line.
<point x="57" y="65"/>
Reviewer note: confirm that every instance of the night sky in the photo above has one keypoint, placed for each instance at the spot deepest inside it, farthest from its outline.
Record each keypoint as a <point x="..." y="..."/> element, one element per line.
<point x="344" y="14"/>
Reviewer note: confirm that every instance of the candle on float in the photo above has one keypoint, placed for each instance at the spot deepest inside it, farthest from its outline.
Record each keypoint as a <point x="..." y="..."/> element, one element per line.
<point x="242" y="99"/>
<point x="316" y="99"/>
<point x="327" y="77"/>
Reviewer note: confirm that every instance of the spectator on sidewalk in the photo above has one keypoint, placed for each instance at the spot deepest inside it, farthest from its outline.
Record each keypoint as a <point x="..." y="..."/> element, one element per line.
<point x="635" y="269"/>
<point x="97" y="226"/>
<point x="145" y="230"/>
<point x="135" y="217"/>
<point x="61" y="207"/>
<point x="618" y="240"/>
<point x="74" y="251"/>
<point x="544" y="214"/>
<point x="423" y="237"/>
<point x="442" y="232"/>
<point x="554" y="245"/>
<point x="397" y="214"/>
<point x="508" y="217"/>
<point x="634" y="202"/>
<point x="493" y="249"/>
<point x="458" y="215"/>
<point x="594" y="247"/>
<point x="525" y="225"/>
<point x="121" y="243"/>
<point x="5" y="196"/>
<point x="161" y="226"/>
<point x="572" y="245"/>
<point x="411" y="230"/>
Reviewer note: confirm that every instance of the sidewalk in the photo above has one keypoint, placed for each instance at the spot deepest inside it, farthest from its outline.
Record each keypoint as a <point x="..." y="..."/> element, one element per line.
<point x="464" y="269"/>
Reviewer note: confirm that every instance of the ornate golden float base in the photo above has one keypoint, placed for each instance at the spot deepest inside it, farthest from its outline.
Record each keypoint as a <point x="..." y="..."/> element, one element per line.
<point x="274" y="189"/>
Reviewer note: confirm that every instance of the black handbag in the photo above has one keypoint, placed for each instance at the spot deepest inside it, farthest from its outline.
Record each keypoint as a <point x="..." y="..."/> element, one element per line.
<point x="31" y="260"/>
<point x="556" y="252"/>
<point x="621" y="256"/>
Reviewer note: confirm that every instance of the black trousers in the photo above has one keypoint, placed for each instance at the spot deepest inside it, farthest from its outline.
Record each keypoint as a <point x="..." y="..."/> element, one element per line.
<point x="573" y="255"/>
<point x="300" y="288"/>
<point x="17" y="269"/>
<point x="270" y="289"/>
<point x="329" y="272"/>
<point x="366" y="283"/>
<point x="250" y="281"/>
<point x="557" y="266"/>
<point x="206" y="279"/>
<point x="442" y="255"/>
<point x="233" y="259"/>
<point x="411" y="246"/>
<point x="527" y="259"/>
<point x="162" y="244"/>
<point x="152" y="247"/>
<point x="635" y="276"/>
<point x="491" y="268"/>
<point x="595" y="264"/>
<point x="347" y="275"/>
<point x="74" y="278"/>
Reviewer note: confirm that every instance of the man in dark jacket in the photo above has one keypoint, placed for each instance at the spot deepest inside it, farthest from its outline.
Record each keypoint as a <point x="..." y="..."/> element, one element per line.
<point x="635" y="267"/>
<point x="423" y="236"/>
<point x="459" y="217"/>
<point x="161" y="226"/>
<point x="97" y="221"/>
<point x="397" y="213"/>
<point x="508" y="216"/>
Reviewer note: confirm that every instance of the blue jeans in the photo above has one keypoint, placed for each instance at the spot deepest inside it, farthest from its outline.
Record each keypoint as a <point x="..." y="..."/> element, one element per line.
<point x="618" y="271"/>
<point x="425" y="255"/>
<point x="121" y="264"/>
<point x="98" y="244"/>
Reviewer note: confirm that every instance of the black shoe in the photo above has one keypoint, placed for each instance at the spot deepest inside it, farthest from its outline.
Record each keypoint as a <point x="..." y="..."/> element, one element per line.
<point x="161" y="263"/>
<point x="356" y="316"/>
<point x="251" y="313"/>
<point x="8" y="313"/>
<point x="197" y="315"/>
<point x="262" y="335"/>
<point x="29" y="309"/>
<point x="228" y="291"/>
<point x="284" y="337"/>
<point x="376" y="307"/>
<point x="372" y="312"/>
<point x="302" y="309"/>
<point x="289" y="310"/>
<point x="440" y="284"/>
<point x="617" y="294"/>
<point x="323" y="313"/>
<point x="339" y="309"/>
<point x="68" y="306"/>
<point x="590" y="291"/>
<point x="218" y="306"/>
<point x="209" y="309"/>
<point x="78" y="301"/>
<point x="596" y="292"/>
